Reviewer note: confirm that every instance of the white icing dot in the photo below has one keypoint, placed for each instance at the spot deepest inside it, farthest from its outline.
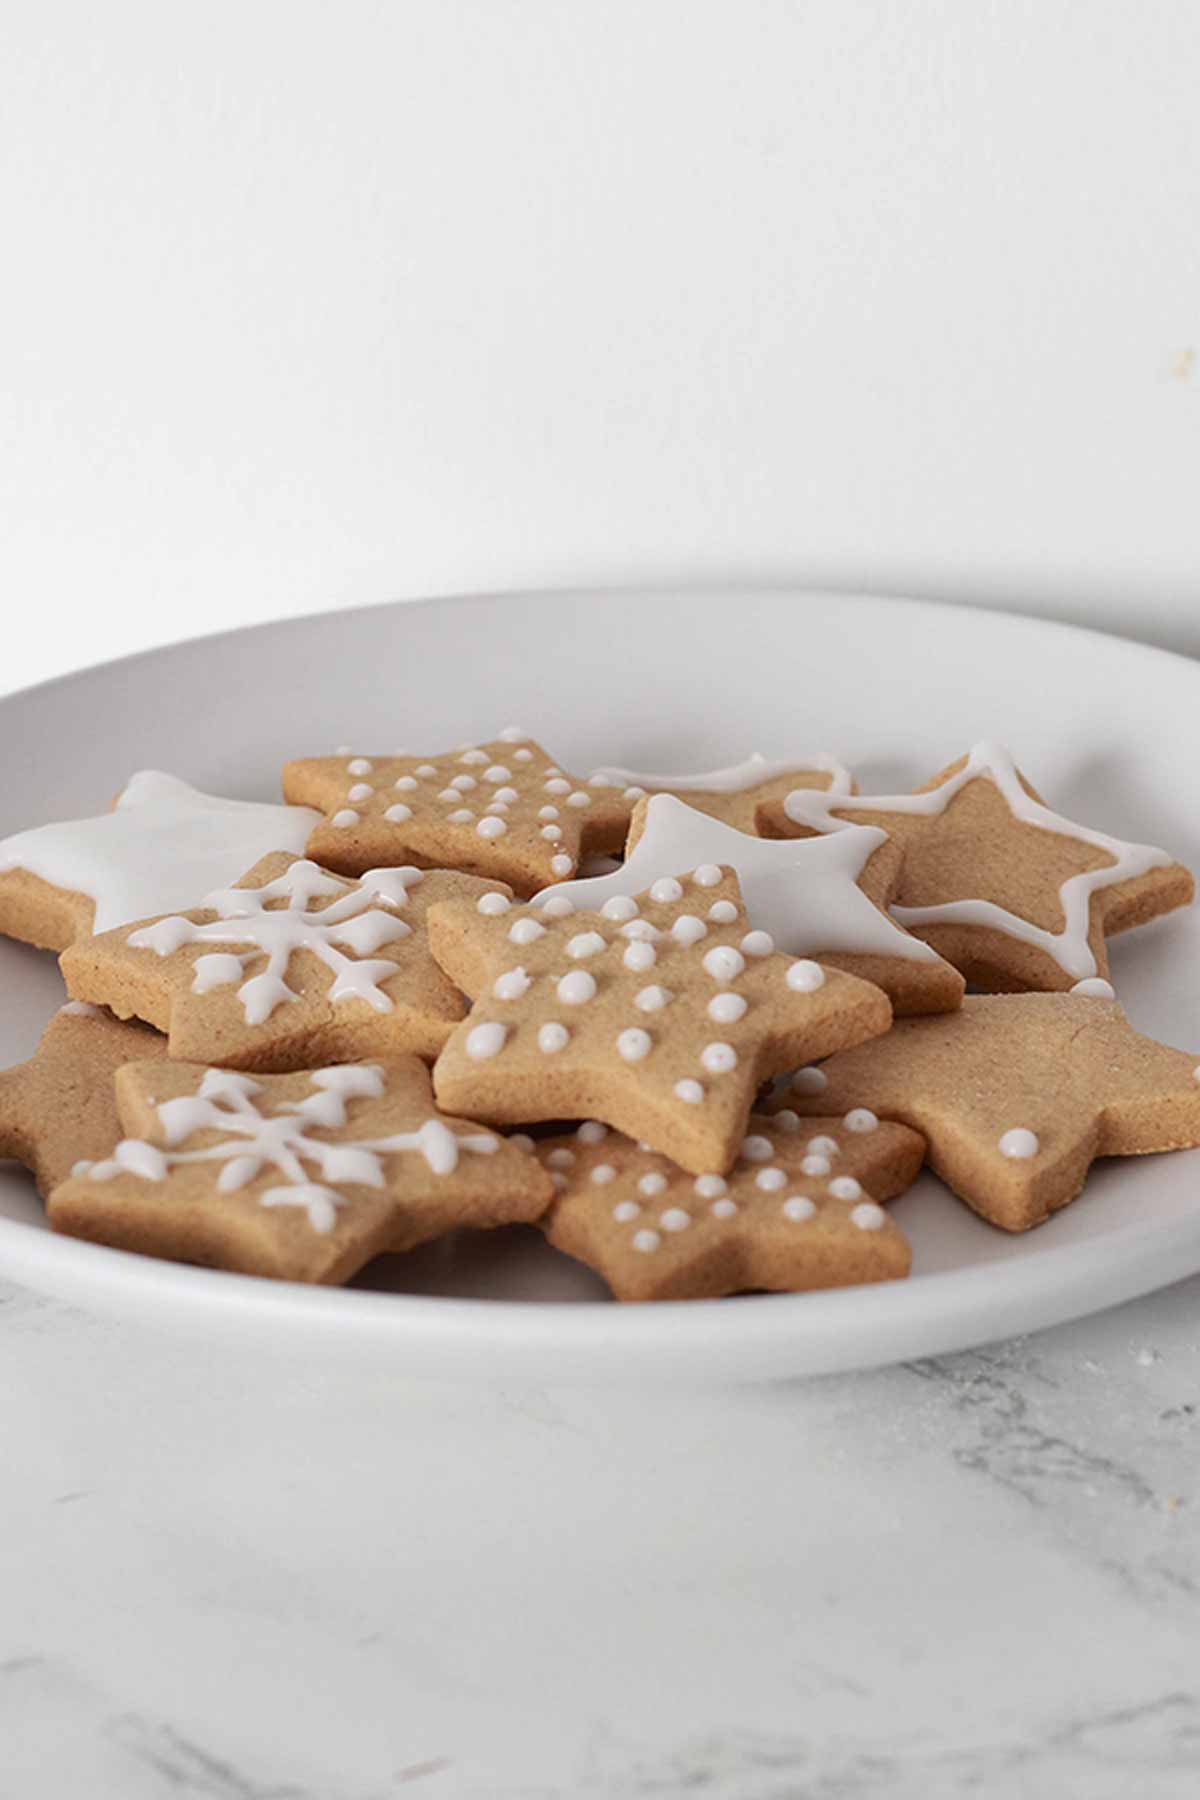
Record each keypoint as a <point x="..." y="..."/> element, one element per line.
<point x="362" y="790"/>
<point x="861" y="1119"/>
<point x="634" y="1044"/>
<point x="505" y="796"/>
<point x="1019" y="1144"/>
<point x="724" y="963"/>
<point x="491" y="827"/>
<point x="758" y="943"/>
<point x="688" y="929"/>
<point x="359" y="766"/>
<point x="556" y="785"/>
<point x="579" y="799"/>
<point x="603" y="1173"/>
<point x="524" y="931"/>
<point x="560" y="1159"/>
<point x="585" y="943"/>
<point x="592" y="1132"/>
<point x="707" y="875"/>
<point x="486" y="1041"/>
<point x="576" y="988"/>
<point x="815" y="1165"/>
<point x="666" y="889"/>
<point x="718" y="1059"/>
<point x="560" y="865"/>
<point x="405" y="783"/>
<point x="473" y="757"/>
<point x="757" y="1149"/>
<point x="522" y="756"/>
<point x="496" y="806"/>
<point x="552" y="833"/>
<point x="786" y="1119"/>
<point x="804" y="977"/>
<point x="710" y="1187"/>
<point x="560" y="1180"/>
<point x="641" y="931"/>
<point x="651" y="1185"/>
<point x="722" y="912"/>
<point x="723" y="1209"/>
<point x="844" y="1187"/>
<point x="512" y="985"/>
<point x="492" y="904"/>
<point x="398" y="814"/>
<point x="640" y="957"/>
<point x="770" y="1180"/>
<point x="464" y="783"/>
<point x="619" y="909"/>
<point x="346" y="816"/>
<point x="552" y="1037"/>
<point x="461" y="817"/>
<point x="646" y="1241"/>
<point x="450" y="795"/>
<point x="798" y="1208"/>
<point x="547" y="812"/>
<point x="726" y="1009"/>
<point x="634" y="793"/>
<point x="512" y="734"/>
<point x="690" y="1092"/>
<point x="558" y="907"/>
<point x="521" y="1140"/>
<point x="1096" y="988"/>
<point x="625" y="1210"/>
<point x="650" y="999"/>
<point x="823" y="1146"/>
<point x="867" y="1216"/>
<point x="497" y="773"/>
<point x="426" y="771"/>
<point x="675" y="1219"/>
<point x="809" y="1081"/>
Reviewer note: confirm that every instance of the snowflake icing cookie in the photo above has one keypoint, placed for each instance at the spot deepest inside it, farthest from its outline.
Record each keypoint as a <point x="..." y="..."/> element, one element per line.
<point x="798" y="1210"/>
<point x="290" y="967"/>
<point x="304" y="1176"/>
<point x="661" y="1014"/>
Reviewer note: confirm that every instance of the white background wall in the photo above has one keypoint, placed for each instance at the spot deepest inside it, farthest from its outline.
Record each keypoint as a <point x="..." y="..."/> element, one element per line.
<point x="310" y="304"/>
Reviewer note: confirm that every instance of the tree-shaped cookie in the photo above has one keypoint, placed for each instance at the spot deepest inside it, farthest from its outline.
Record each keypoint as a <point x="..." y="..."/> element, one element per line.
<point x="1011" y="893"/>
<point x="799" y="1209"/>
<point x="504" y="810"/>
<point x="291" y="967"/>
<point x="1016" y="1095"/>
<point x="661" y="1014"/>
<point x="745" y="795"/>
<point x="305" y="1176"/>
<point x="59" y="1107"/>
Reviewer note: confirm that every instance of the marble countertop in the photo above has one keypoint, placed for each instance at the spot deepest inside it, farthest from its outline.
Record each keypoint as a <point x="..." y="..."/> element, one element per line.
<point x="248" y="1577"/>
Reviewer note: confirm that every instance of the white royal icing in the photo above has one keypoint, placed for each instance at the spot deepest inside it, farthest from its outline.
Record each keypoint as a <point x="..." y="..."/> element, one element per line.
<point x="255" y="1141"/>
<point x="1019" y="1143"/>
<point x="164" y="843"/>
<point x="732" y="780"/>
<point x="1068" y="947"/>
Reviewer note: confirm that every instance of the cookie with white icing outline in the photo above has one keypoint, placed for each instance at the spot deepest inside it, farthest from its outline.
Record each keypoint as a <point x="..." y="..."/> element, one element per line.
<point x="162" y="843"/>
<point x="1017" y="1094"/>
<point x="745" y="795"/>
<point x="290" y="967"/>
<point x="59" y="1108"/>
<point x="662" y="1014"/>
<point x="800" y="1209"/>
<point x="503" y="810"/>
<point x="1014" y="895"/>
<point x="303" y="1177"/>
<point x="824" y="899"/>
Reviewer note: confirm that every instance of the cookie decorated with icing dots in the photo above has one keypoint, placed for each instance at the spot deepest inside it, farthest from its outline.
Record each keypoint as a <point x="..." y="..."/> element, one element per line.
<point x="1017" y="1094"/>
<point x="662" y="1014"/>
<point x="503" y="809"/>
<point x="163" y="843"/>
<point x="1013" y="894"/>
<point x="820" y="898"/>
<point x="799" y="1209"/>
<point x="304" y="1177"/>
<point x="290" y="967"/>
<point x="744" y="795"/>
<point x="59" y="1107"/>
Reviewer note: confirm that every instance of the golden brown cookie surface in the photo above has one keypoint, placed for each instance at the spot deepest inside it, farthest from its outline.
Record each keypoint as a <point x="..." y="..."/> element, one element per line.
<point x="304" y="1177"/>
<point x="1016" y="1095"/>
<point x="745" y="795"/>
<point x="798" y="1210"/>
<point x="662" y="1014"/>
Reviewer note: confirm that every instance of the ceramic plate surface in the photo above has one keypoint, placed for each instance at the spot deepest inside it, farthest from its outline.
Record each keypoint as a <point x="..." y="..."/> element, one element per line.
<point x="1109" y="731"/>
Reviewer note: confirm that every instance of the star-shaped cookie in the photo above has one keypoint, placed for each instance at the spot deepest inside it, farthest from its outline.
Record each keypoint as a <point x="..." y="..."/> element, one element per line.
<point x="818" y="897"/>
<point x="798" y="1210"/>
<point x="59" y="1106"/>
<point x="1014" y="895"/>
<point x="745" y="795"/>
<point x="662" y="1014"/>
<point x="292" y="966"/>
<point x="305" y="1177"/>
<point x="504" y="810"/>
<point x="1016" y="1095"/>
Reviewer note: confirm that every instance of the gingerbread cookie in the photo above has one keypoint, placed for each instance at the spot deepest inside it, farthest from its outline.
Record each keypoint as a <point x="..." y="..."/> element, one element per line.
<point x="59" y="1106"/>
<point x="502" y="810"/>
<point x="822" y="898"/>
<point x="798" y="1210"/>
<point x="745" y="795"/>
<point x="1012" y="894"/>
<point x="304" y="1177"/>
<point x="163" y="843"/>
<point x="662" y="1013"/>
<point x="290" y="967"/>
<point x="1017" y="1094"/>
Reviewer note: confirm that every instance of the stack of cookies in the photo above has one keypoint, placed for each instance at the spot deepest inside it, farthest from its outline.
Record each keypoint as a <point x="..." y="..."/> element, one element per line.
<point x="728" y="1013"/>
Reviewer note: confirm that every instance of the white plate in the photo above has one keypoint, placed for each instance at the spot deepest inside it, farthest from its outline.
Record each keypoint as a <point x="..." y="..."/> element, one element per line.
<point x="1109" y="730"/>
